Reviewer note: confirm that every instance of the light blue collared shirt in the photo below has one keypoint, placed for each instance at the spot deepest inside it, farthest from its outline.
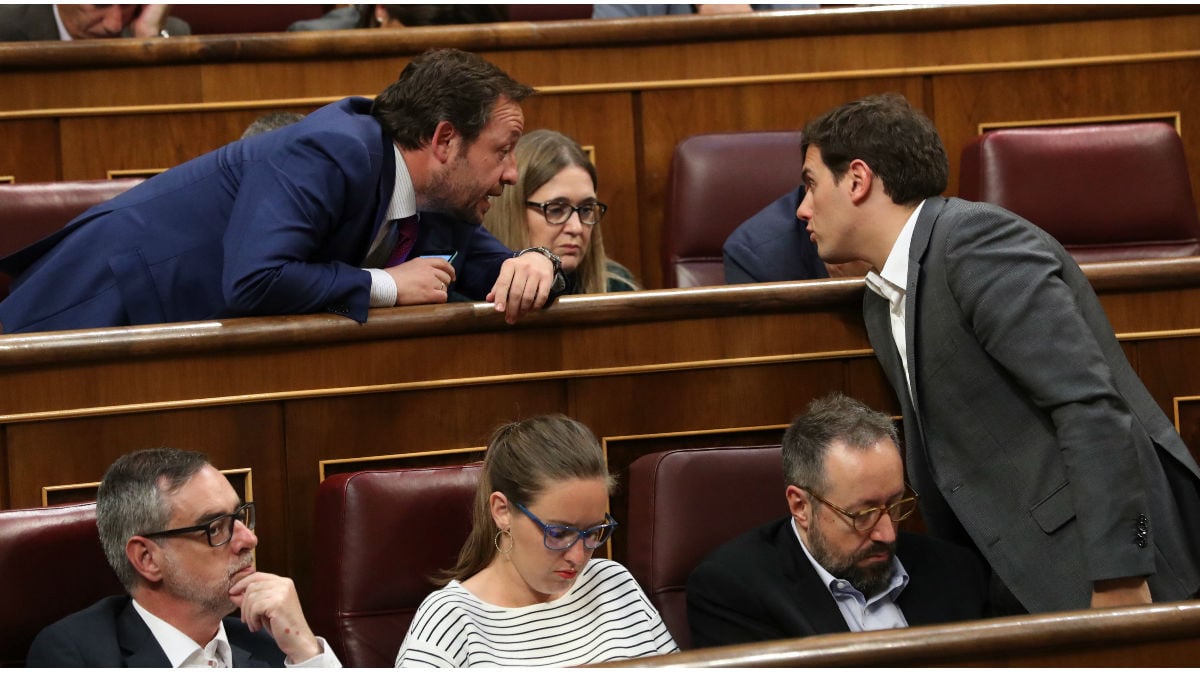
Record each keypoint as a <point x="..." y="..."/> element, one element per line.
<point x="879" y="612"/>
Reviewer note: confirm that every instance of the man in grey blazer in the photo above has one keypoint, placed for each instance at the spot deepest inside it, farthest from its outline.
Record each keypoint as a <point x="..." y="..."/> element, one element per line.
<point x="1027" y="431"/>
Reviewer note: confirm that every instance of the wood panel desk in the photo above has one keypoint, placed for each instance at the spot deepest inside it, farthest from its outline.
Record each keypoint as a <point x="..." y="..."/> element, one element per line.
<point x="630" y="88"/>
<point x="294" y="398"/>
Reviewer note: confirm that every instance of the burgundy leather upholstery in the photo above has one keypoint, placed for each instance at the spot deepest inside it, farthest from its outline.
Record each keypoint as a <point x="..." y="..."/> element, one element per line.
<point x="685" y="503"/>
<point x="717" y="182"/>
<point x="379" y="535"/>
<point x="1105" y="191"/>
<point x="51" y="565"/>
<point x="31" y="211"/>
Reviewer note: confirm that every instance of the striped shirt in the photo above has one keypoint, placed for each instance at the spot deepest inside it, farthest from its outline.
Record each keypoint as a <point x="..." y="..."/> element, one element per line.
<point x="604" y="616"/>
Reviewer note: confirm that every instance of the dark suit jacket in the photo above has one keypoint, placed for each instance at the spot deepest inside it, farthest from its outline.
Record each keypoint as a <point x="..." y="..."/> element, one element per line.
<point x="761" y="586"/>
<point x="275" y="224"/>
<point x="772" y="245"/>
<point x="111" y="634"/>
<point x="21" y="23"/>
<point x="1028" y="427"/>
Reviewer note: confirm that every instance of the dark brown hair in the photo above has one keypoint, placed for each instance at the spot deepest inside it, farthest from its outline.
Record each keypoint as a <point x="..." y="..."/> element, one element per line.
<point x="443" y="85"/>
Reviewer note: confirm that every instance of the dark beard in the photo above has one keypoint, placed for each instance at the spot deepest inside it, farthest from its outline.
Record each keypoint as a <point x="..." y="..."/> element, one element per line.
<point x="870" y="580"/>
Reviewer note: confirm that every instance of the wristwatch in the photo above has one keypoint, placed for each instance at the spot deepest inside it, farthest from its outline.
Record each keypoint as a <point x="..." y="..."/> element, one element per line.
<point x="560" y="281"/>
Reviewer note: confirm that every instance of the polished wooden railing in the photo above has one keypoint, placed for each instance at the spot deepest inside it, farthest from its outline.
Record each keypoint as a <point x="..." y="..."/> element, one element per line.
<point x="288" y="400"/>
<point x="1154" y="636"/>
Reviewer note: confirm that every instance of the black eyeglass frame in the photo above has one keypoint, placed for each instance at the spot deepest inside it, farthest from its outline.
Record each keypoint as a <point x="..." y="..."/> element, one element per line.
<point x="878" y="511"/>
<point x="609" y="525"/>
<point x="243" y="513"/>
<point x="599" y="208"/>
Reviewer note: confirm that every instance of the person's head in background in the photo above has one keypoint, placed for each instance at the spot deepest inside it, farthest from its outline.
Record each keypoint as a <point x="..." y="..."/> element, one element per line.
<point x="550" y="468"/>
<point x="270" y="122"/>
<point x="85" y="22"/>
<point x="400" y="16"/>
<point x="552" y="169"/>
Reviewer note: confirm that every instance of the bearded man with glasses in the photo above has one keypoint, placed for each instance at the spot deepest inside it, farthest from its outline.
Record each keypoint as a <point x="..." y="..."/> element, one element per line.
<point x="181" y="541"/>
<point x="838" y="562"/>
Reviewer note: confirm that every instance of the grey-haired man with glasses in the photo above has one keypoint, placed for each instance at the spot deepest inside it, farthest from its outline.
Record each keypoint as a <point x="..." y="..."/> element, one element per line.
<point x="181" y="541"/>
<point x="838" y="562"/>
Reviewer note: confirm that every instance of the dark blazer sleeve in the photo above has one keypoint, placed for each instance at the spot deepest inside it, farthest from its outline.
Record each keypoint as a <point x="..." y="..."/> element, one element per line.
<point x="946" y="582"/>
<point x="722" y="610"/>
<point x="56" y="647"/>
<point x="759" y="586"/>
<point x="23" y="23"/>
<point x="289" y="210"/>
<point x="481" y="266"/>
<point x="772" y="245"/>
<point x="109" y="634"/>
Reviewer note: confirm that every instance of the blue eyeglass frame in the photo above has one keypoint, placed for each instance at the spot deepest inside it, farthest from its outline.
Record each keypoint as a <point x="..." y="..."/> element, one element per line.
<point x="610" y="524"/>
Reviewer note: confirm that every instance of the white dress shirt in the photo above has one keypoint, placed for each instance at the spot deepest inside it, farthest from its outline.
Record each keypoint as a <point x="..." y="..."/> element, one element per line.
<point x="403" y="205"/>
<point x="892" y="284"/>
<point x="183" y="652"/>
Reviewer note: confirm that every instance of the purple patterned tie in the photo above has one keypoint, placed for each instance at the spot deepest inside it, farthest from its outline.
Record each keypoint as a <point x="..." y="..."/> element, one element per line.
<point x="406" y="236"/>
<point x="397" y="243"/>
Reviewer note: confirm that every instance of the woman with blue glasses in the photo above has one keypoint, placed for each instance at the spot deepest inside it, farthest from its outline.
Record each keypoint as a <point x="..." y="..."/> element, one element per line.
<point x="526" y="591"/>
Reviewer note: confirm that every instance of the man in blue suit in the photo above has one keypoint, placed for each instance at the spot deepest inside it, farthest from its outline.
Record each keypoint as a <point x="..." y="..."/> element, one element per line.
<point x="772" y="245"/>
<point x="307" y="218"/>
<point x="180" y="540"/>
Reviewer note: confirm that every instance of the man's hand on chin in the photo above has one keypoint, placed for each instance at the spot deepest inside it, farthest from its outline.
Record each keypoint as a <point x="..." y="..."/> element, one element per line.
<point x="269" y="601"/>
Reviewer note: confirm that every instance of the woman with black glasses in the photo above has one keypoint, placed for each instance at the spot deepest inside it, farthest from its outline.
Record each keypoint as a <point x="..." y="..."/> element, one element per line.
<point x="554" y="206"/>
<point x="526" y="591"/>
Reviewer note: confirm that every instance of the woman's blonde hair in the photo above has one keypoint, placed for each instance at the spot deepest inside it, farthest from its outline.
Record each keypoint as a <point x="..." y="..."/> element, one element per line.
<point x="523" y="460"/>
<point x="541" y="155"/>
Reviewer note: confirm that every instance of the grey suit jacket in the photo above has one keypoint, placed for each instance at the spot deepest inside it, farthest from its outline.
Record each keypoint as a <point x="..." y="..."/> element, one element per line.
<point x="1027" y="427"/>
<point x="22" y="23"/>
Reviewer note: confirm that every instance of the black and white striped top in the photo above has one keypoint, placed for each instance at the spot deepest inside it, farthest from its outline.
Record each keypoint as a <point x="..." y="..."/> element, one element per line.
<point x="604" y="616"/>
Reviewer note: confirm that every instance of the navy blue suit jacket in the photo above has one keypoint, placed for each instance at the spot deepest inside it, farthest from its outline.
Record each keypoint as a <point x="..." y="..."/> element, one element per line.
<point x="772" y="245"/>
<point x="111" y="634"/>
<point x="761" y="586"/>
<point x="275" y="224"/>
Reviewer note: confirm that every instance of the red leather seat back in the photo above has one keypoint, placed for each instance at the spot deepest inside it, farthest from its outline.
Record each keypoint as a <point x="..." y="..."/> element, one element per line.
<point x="1104" y="191"/>
<point x="718" y="181"/>
<point x="379" y="535"/>
<point x="32" y="211"/>
<point x="685" y="503"/>
<point x="51" y="565"/>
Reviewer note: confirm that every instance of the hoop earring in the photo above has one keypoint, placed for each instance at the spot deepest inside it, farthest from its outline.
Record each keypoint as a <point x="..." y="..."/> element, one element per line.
<point x="496" y="541"/>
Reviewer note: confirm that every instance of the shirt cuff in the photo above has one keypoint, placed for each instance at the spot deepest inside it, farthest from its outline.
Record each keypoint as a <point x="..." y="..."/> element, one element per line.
<point x="383" y="289"/>
<point x="326" y="659"/>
